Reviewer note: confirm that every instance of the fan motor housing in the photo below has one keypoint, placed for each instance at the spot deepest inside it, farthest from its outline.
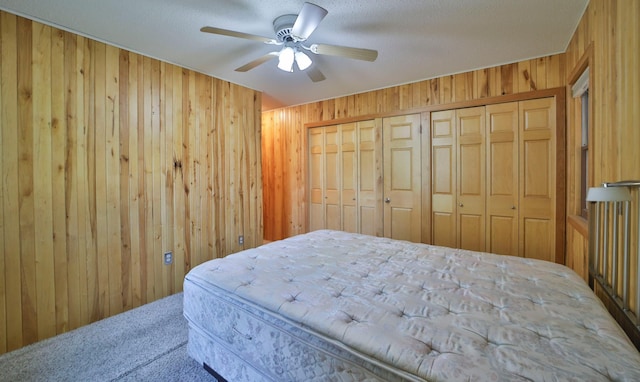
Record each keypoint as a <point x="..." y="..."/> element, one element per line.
<point x="282" y="26"/>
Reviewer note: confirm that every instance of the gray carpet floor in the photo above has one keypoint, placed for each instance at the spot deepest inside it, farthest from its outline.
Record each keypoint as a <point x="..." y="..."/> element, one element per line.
<point x="148" y="343"/>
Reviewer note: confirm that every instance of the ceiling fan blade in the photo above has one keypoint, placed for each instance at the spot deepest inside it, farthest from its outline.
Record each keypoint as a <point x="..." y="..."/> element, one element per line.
<point x="308" y="20"/>
<point x="315" y="74"/>
<point x="345" y="51"/>
<point x="257" y="61"/>
<point x="226" y="32"/>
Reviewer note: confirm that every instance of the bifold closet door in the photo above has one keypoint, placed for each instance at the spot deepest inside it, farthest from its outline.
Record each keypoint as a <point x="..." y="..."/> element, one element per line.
<point x="402" y="178"/>
<point x="443" y="178"/>
<point x="324" y="179"/>
<point x="332" y="179"/>
<point x="502" y="178"/>
<point x="370" y="181"/>
<point x="345" y="177"/>
<point x="458" y="178"/>
<point x="349" y="174"/>
<point x="316" y="178"/>
<point x="471" y="192"/>
<point x="537" y="167"/>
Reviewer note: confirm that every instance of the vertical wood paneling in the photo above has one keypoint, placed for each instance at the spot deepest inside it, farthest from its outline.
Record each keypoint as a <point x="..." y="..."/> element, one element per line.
<point x="283" y="134"/>
<point x="525" y="83"/>
<point x="178" y="181"/>
<point x="134" y="179"/>
<point x="611" y="30"/>
<point x="82" y="192"/>
<point x="112" y="165"/>
<point x="145" y="155"/>
<point x="25" y="184"/>
<point x="3" y="293"/>
<point x="58" y="165"/>
<point x="267" y="175"/>
<point x="166" y="121"/>
<point x="218" y="165"/>
<point x="42" y="194"/>
<point x="102" y="225"/>
<point x="123" y="192"/>
<point x="12" y="290"/>
<point x="155" y="199"/>
<point x="108" y="159"/>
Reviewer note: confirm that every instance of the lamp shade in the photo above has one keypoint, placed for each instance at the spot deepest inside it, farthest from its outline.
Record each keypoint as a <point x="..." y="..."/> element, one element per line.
<point x="302" y="60"/>
<point x="286" y="58"/>
<point x="608" y="194"/>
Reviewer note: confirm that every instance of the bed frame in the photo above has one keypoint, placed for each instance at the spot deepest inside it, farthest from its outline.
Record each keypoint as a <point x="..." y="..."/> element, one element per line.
<point x="614" y="270"/>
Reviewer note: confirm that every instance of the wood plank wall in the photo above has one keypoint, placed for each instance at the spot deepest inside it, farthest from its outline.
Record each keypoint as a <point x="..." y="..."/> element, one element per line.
<point x="283" y="133"/>
<point x="611" y="30"/>
<point x="107" y="160"/>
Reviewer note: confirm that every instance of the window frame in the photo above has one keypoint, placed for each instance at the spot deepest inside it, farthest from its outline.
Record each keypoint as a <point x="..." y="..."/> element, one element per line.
<point x="580" y="166"/>
<point x="584" y="153"/>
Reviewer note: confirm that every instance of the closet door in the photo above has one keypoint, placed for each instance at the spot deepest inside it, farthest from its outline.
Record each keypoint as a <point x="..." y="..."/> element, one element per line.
<point x="316" y="179"/>
<point x="349" y="173"/>
<point x="402" y="177"/>
<point x="345" y="177"/>
<point x="470" y="172"/>
<point x="325" y="191"/>
<point x="538" y="179"/>
<point x="443" y="178"/>
<point x="502" y="178"/>
<point x="370" y="184"/>
<point x="332" y="178"/>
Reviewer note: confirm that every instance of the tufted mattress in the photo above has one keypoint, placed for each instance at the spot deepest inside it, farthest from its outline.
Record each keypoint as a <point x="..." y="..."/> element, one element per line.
<point x="333" y="306"/>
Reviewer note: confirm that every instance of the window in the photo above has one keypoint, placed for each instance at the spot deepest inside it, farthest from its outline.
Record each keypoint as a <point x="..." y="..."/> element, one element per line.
<point x="584" y="154"/>
<point x="581" y="90"/>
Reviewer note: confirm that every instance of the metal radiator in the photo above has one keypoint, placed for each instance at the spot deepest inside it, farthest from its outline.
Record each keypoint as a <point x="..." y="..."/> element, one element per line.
<point x="614" y="259"/>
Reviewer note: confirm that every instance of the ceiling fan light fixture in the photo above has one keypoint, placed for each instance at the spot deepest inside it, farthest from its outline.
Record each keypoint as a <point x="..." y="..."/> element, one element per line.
<point x="302" y="60"/>
<point x="291" y="32"/>
<point x="286" y="58"/>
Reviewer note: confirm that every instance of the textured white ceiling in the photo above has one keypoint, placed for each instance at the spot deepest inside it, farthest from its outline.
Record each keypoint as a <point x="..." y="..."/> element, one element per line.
<point x="416" y="39"/>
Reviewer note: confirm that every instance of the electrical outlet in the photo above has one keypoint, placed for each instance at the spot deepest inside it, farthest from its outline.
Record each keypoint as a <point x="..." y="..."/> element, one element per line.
<point x="241" y="240"/>
<point x="168" y="258"/>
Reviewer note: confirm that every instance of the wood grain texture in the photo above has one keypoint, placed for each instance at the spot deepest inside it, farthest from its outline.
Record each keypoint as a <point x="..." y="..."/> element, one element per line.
<point x="284" y="135"/>
<point x="12" y="310"/>
<point x="108" y="159"/>
<point x="607" y="37"/>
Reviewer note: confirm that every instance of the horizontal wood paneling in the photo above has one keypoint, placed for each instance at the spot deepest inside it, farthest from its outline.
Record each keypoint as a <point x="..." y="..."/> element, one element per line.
<point x="609" y="32"/>
<point x="284" y="139"/>
<point x="108" y="159"/>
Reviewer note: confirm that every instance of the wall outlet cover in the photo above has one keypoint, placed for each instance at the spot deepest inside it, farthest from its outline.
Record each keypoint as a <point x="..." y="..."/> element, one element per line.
<point x="168" y="258"/>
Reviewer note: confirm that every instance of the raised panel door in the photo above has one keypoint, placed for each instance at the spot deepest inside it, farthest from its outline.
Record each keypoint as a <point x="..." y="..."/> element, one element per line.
<point x="537" y="169"/>
<point x="332" y="179"/>
<point x="470" y="190"/>
<point x="370" y="184"/>
<point x="502" y="178"/>
<point x="316" y="179"/>
<point x="345" y="177"/>
<point x="402" y="177"/>
<point x="443" y="178"/>
<point x="349" y="174"/>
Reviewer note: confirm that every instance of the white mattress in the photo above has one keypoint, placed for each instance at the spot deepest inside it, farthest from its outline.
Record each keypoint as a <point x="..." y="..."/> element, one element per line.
<point x="330" y="305"/>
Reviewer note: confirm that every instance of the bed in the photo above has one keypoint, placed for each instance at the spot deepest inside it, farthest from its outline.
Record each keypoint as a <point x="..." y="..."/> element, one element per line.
<point x="335" y="306"/>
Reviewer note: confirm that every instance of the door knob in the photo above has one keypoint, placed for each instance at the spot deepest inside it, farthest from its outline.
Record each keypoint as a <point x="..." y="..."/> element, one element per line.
<point x="387" y="200"/>
<point x="461" y="205"/>
<point x="513" y="207"/>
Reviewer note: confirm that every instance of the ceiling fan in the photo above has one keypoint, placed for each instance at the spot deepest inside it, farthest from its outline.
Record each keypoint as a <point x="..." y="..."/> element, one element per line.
<point x="292" y="32"/>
